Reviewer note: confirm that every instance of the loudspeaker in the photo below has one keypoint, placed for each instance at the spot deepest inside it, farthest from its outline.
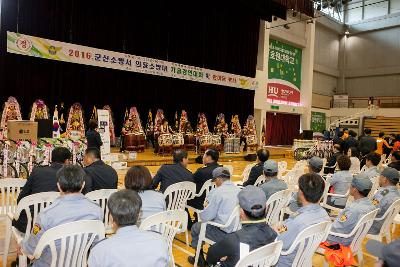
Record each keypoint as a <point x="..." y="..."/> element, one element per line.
<point x="308" y="135"/>
<point x="45" y="128"/>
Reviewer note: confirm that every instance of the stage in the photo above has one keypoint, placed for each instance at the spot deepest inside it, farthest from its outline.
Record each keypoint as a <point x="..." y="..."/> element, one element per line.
<point x="149" y="158"/>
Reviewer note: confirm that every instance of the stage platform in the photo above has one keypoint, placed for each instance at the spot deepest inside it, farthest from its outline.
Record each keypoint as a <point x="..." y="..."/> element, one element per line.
<point x="149" y="158"/>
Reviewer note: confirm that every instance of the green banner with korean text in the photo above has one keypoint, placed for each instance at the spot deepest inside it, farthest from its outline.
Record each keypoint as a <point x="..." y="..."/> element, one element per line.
<point x="318" y="121"/>
<point x="284" y="73"/>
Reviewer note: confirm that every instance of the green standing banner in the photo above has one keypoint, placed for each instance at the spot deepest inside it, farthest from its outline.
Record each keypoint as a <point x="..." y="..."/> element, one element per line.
<point x="318" y="121"/>
<point x="284" y="73"/>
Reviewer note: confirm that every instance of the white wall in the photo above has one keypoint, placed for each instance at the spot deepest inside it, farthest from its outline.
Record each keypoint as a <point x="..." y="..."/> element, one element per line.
<point x="372" y="63"/>
<point x="326" y="71"/>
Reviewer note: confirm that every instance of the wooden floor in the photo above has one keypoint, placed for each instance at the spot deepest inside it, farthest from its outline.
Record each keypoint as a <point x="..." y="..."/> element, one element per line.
<point x="180" y="257"/>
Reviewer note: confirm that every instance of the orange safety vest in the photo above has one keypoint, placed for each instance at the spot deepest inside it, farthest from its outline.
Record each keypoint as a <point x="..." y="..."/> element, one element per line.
<point x="341" y="257"/>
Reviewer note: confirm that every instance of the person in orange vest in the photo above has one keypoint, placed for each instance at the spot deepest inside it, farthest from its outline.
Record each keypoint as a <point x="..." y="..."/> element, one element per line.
<point x="380" y="142"/>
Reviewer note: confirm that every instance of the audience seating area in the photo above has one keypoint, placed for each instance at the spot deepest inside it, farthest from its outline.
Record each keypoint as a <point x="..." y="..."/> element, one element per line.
<point x="172" y="223"/>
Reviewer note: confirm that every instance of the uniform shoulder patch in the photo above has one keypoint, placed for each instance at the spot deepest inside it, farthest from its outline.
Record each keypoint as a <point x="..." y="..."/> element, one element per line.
<point x="36" y="229"/>
<point x="343" y="218"/>
<point x="375" y="202"/>
<point x="282" y="229"/>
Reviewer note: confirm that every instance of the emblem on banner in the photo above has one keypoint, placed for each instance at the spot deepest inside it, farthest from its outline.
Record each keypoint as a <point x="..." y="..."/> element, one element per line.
<point x="24" y="44"/>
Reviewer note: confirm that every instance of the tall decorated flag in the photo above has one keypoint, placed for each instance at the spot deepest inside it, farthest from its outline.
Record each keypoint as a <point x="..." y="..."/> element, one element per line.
<point x="284" y="73"/>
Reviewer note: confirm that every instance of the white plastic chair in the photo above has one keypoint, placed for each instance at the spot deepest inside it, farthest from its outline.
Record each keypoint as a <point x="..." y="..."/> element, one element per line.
<point x="101" y="197"/>
<point x="326" y="194"/>
<point x="205" y="189"/>
<point x="230" y="168"/>
<point x="246" y="172"/>
<point x="275" y="204"/>
<point x="387" y="219"/>
<point x="307" y="242"/>
<point x="265" y="256"/>
<point x="74" y="240"/>
<point x="282" y="167"/>
<point x="260" y="180"/>
<point x="10" y="189"/>
<point x="233" y="219"/>
<point x="38" y="201"/>
<point x="324" y="160"/>
<point x="291" y="178"/>
<point x="168" y="224"/>
<point x="358" y="233"/>
<point x="177" y="195"/>
<point x="375" y="186"/>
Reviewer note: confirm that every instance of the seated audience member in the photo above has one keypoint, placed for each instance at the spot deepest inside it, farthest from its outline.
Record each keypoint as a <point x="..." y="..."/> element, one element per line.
<point x="331" y="163"/>
<point x="340" y="182"/>
<point x="311" y="188"/>
<point x="388" y="254"/>
<point x="71" y="206"/>
<point x="170" y="174"/>
<point x="42" y="179"/>
<point x="395" y="160"/>
<point x="203" y="174"/>
<point x="385" y="196"/>
<point x="381" y="143"/>
<point x="138" y="178"/>
<point x="314" y="166"/>
<point x="257" y="170"/>
<point x="371" y="162"/>
<point x="272" y="183"/>
<point x="129" y="246"/>
<point x="220" y="203"/>
<point x="255" y="232"/>
<point x="367" y="143"/>
<point x="102" y="175"/>
<point x="351" y="141"/>
<point x="350" y="216"/>
<point x="354" y="155"/>
<point x="92" y="135"/>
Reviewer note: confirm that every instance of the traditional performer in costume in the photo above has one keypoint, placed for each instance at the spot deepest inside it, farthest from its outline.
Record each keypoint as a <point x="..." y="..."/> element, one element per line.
<point x="236" y="129"/>
<point x="249" y="129"/>
<point x="39" y="110"/>
<point x="184" y="124"/>
<point x="133" y="123"/>
<point x="221" y="127"/>
<point x="158" y="122"/>
<point x="75" y="125"/>
<point x="133" y="129"/>
<point x="56" y="124"/>
<point x="11" y="111"/>
<point x="111" y="125"/>
<point x="202" y="126"/>
<point x="165" y="128"/>
<point x="150" y="128"/>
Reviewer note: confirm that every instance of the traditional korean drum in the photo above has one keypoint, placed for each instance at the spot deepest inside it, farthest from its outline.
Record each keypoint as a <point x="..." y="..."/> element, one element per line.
<point x="251" y="140"/>
<point x="135" y="141"/>
<point x="165" y="140"/>
<point x="205" y="140"/>
<point x="177" y="140"/>
<point x="228" y="145"/>
<point x="232" y="144"/>
<point x="216" y="140"/>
